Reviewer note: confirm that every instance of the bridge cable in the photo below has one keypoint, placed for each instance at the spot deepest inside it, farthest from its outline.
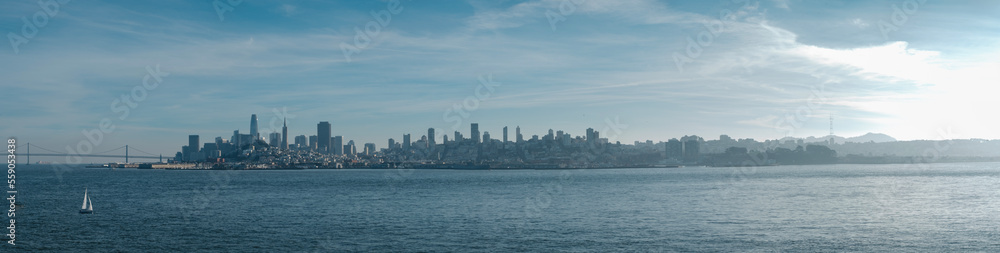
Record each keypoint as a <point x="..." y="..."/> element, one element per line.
<point x="140" y="151"/>
<point x="56" y="152"/>
<point x="107" y="151"/>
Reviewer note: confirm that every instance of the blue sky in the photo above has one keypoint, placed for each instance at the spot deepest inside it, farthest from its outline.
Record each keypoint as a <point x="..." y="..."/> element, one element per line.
<point x="765" y="69"/>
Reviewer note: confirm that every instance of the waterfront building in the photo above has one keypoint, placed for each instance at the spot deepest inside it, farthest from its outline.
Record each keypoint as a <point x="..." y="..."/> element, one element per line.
<point x="191" y="150"/>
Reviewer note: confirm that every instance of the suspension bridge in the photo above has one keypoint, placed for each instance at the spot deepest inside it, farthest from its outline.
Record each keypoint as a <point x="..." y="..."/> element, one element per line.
<point x="124" y="149"/>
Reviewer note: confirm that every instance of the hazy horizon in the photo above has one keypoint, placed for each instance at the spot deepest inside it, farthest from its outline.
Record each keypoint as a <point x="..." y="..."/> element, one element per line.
<point x="762" y="70"/>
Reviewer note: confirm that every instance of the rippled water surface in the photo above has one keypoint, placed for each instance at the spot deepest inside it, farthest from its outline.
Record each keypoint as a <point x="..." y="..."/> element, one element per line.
<point x="940" y="207"/>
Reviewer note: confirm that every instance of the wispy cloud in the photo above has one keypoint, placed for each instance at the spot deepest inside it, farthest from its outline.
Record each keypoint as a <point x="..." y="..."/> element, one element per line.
<point x="613" y="58"/>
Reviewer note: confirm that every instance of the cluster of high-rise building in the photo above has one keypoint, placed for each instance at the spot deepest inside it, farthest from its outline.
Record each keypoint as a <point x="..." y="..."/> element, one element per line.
<point x="555" y="147"/>
<point x="479" y="149"/>
<point x="322" y="142"/>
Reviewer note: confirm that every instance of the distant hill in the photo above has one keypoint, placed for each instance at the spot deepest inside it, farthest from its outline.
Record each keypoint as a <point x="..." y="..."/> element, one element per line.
<point x="869" y="137"/>
<point x="872" y="137"/>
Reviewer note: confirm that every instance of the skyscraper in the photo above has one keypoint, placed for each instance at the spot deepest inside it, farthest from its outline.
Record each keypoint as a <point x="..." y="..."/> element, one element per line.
<point x="691" y="150"/>
<point x="253" y="127"/>
<point x="313" y="141"/>
<point x="406" y="142"/>
<point x="350" y="149"/>
<point x="191" y="153"/>
<point x="369" y="148"/>
<point x="300" y="141"/>
<point x="519" y="137"/>
<point x="236" y="139"/>
<point x="476" y="137"/>
<point x="193" y="142"/>
<point x="274" y="139"/>
<point x="337" y="145"/>
<point x="590" y="135"/>
<point x="674" y="149"/>
<point x="323" y="134"/>
<point x="505" y="134"/>
<point x="284" y="134"/>
<point x="430" y="138"/>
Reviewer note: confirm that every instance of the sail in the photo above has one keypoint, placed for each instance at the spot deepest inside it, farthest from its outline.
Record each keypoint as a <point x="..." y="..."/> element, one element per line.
<point x="85" y="199"/>
<point x="90" y="205"/>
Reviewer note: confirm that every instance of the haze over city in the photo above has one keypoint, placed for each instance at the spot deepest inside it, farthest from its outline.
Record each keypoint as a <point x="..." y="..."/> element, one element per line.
<point x="500" y="126"/>
<point x="762" y="70"/>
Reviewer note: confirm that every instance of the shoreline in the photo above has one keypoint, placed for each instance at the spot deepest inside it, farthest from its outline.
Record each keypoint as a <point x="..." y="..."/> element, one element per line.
<point x="139" y="166"/>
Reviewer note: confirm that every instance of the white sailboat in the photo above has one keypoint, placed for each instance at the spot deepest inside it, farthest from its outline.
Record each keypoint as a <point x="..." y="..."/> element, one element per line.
<point x="87" y="207"/>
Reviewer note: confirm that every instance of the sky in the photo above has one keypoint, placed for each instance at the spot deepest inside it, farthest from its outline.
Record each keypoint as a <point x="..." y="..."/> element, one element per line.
<point x="153" y="72"/>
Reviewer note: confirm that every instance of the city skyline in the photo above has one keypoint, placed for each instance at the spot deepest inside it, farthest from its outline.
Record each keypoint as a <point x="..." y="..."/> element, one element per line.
<point x="334" y="147"/>
<point x="201" y="70"/>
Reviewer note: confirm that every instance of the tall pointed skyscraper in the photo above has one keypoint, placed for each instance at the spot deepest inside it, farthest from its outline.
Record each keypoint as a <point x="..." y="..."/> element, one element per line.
<point x="284" y="134"/>
<point x="253" y="128"/>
